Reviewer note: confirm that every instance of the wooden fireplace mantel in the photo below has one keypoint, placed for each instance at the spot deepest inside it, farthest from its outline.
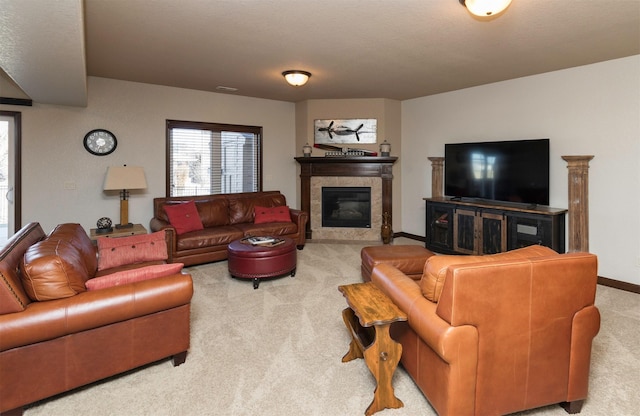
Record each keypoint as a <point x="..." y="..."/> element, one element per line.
<point x="380" y="167"/>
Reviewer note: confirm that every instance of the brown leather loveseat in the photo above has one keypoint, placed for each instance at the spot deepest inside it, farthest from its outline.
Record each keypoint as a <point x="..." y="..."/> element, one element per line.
<point x="497" y="334"/>
<point x="72" y="336"/>
<point x="225" y="218"/>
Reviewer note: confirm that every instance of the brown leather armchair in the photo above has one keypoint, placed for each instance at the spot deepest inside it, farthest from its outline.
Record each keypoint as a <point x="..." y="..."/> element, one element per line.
<point x="497" y="334"/>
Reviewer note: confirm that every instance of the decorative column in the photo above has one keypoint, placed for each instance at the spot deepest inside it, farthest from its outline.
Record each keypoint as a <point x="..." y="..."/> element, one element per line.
<point x="578" y="202"/>
<point x="437" y="177"/>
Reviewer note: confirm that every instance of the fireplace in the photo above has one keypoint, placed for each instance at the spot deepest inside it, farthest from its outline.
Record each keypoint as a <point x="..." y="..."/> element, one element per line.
<point x="348" y="207"/>
<point x="374" y="173"/>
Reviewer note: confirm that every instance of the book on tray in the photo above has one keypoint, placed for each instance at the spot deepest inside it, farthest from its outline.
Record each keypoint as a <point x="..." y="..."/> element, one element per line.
<point x="264" y="241"/>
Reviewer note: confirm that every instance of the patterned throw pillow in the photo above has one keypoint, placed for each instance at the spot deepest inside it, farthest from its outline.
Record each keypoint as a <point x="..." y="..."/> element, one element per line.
<point x="134" y="275"/>
<point x="184" y="217"/>
<point x="276" y="214"/>
<point x="114" y="252"/>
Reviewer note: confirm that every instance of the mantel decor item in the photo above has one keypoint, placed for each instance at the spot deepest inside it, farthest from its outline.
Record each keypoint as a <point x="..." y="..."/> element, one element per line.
<point x="346" y="131"/>
<point x="124" y="178"/>
<point x="306" y="150"/>
<point x="385" y="148"/>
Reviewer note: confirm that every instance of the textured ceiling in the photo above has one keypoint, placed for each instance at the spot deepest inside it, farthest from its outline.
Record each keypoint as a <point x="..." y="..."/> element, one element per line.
<point x="397" y="49"/>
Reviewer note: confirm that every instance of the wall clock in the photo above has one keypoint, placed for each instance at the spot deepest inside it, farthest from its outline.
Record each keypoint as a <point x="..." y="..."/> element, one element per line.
<point x="100" y="142"/>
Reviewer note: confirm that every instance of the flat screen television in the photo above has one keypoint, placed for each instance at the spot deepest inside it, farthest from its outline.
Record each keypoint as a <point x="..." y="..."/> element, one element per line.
<point x="511" y="171"/>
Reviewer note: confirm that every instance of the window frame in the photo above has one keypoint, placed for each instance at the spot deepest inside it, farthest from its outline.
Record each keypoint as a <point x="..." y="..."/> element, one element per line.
<point x="171" y="124"/>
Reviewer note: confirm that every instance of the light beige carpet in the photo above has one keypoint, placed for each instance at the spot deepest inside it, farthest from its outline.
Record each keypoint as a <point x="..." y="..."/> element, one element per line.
<point x="277" y="351"/>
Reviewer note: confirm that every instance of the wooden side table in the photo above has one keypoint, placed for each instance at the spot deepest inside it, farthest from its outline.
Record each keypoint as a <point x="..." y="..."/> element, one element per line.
<point x="118" y="232"/>
<point x="368" y="318"/>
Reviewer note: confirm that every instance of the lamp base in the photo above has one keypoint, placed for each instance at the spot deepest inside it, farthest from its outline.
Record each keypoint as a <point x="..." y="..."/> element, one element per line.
<point x="120" y="226"/>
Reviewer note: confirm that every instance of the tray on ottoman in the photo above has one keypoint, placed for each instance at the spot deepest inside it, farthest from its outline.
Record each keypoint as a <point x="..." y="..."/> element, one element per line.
<point x="256" y="262"/>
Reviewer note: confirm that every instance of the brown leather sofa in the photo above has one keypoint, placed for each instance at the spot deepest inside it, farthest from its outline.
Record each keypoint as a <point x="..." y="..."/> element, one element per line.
<point x="225" y="217"/>
<point x="53" y="346"/>
<point x="492" y="335"/>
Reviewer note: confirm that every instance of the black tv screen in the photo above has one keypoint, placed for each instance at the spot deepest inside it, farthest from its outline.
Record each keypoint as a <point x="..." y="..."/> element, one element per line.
<point x="512" y="171"/>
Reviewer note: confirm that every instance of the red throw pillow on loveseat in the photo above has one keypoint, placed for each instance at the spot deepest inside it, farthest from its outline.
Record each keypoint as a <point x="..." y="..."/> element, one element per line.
<point x="274" y="214"/>
<point x="184" y="217"/>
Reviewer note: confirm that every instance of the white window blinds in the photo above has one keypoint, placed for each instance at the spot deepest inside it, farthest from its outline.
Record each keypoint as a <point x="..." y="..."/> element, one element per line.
<point x="208" y="158"/>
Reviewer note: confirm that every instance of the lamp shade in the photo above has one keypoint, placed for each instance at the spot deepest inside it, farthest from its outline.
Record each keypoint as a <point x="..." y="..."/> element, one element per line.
<point x="124" y="177"/>
<point x="296" y="78"/>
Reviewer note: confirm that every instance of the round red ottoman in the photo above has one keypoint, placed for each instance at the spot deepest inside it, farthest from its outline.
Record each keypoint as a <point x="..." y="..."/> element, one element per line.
<point x="261" y="262"/>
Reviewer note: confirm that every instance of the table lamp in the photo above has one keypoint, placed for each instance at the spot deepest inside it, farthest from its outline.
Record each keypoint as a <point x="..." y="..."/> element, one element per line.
<point x="124" y="178"/>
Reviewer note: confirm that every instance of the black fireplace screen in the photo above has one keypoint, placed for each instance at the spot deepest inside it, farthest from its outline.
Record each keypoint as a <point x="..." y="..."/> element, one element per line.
<point x="346" y="207"/>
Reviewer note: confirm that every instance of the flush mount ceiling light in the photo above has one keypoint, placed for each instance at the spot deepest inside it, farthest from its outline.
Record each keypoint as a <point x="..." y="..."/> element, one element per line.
<point x="296" y="78"/>
<point x="484" y="8"/>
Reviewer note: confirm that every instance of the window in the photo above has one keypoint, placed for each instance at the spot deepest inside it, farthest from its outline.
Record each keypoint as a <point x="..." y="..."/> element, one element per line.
<point x="209" y="158"/>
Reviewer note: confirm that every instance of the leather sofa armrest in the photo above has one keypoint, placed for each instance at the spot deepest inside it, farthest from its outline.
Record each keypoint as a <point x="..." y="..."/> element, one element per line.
<point x="300" y="218"/>
<point x="42" y="321"/>
<point x="445" y="340"/>
<point x="156" y="224"/>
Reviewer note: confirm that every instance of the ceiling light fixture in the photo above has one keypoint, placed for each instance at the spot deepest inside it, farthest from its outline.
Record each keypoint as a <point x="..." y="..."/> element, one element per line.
<point x="484" y="8"/>
<point x="296" y="78"/>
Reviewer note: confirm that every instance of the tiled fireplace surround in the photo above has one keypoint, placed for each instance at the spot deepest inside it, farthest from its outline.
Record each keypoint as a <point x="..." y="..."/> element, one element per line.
<point x="319" y="172"/>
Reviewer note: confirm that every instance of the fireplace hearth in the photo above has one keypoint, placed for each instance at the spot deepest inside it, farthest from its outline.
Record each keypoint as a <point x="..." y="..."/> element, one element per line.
<point x="348" y="207"/>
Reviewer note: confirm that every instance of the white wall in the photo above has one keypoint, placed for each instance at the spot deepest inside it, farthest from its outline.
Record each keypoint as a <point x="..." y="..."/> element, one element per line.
<point x="53" y="154"/>
<point x="588" y="110"/>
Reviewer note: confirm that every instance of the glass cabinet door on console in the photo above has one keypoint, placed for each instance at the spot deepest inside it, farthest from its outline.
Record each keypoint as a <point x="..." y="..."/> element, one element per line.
<point x="479" y="231"/>
<point x="493" y="233"/>
<point x="439" y="232"/>
<point x="464" y="231"/>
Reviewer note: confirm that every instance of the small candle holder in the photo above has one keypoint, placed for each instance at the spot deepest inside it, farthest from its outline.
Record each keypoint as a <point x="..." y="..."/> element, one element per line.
<point x="385" y="148"/>
<point x="306" y="150"/>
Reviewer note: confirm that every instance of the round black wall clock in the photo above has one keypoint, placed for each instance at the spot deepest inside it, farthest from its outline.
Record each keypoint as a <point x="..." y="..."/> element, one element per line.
<point x="100" y="142"/>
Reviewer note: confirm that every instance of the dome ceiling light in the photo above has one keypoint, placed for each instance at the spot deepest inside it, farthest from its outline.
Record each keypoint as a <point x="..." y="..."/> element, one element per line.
<point x="296" y="78"/>
<point x="484" y="8"/>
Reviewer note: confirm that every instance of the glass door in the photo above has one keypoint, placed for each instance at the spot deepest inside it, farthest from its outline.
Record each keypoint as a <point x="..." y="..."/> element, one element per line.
<point x="9" y="174"/>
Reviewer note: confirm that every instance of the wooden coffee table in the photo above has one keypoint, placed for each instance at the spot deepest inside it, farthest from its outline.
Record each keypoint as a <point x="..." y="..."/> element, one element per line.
<point x="368" y="318"/>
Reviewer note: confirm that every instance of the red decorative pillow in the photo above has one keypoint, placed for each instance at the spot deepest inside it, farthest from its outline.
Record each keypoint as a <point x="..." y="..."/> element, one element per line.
<point x="275" y="214"/>
<point x="134" y="275"/>
<point x="114" y="252"/>
<point x="184" y="217"/>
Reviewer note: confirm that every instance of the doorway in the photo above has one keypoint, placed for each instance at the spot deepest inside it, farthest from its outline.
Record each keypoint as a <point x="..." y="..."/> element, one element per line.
<point x="10" y="139"/>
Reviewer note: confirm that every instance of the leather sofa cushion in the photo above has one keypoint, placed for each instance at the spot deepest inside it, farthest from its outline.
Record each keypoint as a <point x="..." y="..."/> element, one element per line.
<point x="133" y="275"/>
<point x="213" y="213"/>
<point x="53" y="270"/>
<point x="271" y="228"/>
<point x="435" y="269"/>
<point x="114" y="252"/>
<point x="209" y="237"/>
<point x="75" y="235"/>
